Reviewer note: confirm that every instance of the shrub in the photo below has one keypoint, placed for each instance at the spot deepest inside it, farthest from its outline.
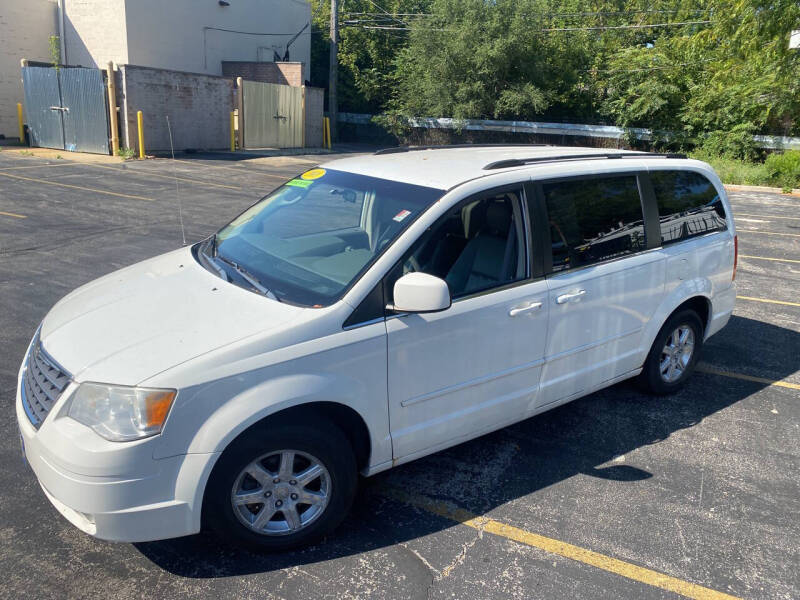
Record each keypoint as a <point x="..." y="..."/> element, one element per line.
<point x="736" y="143"/>
<point x="784" y="169"/>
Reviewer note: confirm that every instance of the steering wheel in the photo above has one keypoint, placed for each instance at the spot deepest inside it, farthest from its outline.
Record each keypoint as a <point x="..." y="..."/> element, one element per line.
<point x="412" y="260"/>
<point x="383" y="239"/>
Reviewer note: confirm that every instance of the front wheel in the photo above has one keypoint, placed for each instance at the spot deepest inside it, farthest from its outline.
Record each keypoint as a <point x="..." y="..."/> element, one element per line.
<point x="280" y="486"/>
<point x="674" y="354"/>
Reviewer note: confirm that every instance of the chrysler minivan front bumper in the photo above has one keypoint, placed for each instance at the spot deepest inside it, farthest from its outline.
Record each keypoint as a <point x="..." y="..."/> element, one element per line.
<point x="113" y="490"/>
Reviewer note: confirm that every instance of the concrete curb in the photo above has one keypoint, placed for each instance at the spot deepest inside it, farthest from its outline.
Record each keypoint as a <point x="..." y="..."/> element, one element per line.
<point x="49" y="153"/>
<point x="761" y="188"/>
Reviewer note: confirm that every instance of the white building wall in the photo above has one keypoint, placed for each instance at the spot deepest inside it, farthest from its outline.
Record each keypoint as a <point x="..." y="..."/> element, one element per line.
<point x="25" y="30"/>
<point x="178" y="34"/>
<point x="95" y="32"/>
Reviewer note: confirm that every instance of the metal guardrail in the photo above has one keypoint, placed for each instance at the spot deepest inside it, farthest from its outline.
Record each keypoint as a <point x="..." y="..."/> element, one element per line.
<point x="595" y="131"/>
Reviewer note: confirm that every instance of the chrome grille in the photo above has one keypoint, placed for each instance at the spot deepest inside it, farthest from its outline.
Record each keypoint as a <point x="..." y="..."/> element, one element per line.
<point x="43" y="382"/>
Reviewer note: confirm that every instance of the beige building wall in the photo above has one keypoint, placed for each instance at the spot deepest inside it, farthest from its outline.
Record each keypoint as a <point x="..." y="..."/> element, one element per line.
<point x="184" y="35"/>
<point x="25" y="30"/>
<point x="95" y="32"/>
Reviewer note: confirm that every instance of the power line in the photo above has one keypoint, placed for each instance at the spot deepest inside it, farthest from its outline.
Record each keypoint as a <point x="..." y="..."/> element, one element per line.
<point x="602" y="27"/>
<point x="380" y="8"/>
<point x="546" y="30"/>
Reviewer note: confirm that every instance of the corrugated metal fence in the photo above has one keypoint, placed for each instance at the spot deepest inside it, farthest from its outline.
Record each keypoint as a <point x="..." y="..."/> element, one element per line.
<point x="66" y="108"/>
<point x="274" y="115"/>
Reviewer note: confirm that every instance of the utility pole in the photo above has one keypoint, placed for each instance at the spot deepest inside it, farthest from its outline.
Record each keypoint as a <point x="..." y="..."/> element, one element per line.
<point x="333" y="70"/>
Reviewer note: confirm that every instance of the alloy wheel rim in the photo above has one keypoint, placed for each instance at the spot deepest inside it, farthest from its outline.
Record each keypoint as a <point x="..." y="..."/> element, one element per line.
<point x="281" y="493"/>
<point x="676" y="354"/>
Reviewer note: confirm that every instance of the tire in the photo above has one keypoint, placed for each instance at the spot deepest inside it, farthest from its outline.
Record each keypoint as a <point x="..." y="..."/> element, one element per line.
<point x="657" y="380"/>
<point x="293" y="523"/>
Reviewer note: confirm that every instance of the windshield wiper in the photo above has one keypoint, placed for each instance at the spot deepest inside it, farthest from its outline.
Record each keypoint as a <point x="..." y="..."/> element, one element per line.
<point x="247" y="276"/>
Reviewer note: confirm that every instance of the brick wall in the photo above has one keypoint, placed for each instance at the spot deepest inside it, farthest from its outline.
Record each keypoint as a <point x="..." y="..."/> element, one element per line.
<point x="25" y="29"/>
<point x="198" y="107"/>
<point x="315" y="98"/>
<point x="284" y="73"/>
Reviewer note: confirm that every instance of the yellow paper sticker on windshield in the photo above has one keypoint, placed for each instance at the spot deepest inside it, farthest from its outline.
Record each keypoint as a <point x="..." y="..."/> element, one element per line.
<point x="313" y="174"/>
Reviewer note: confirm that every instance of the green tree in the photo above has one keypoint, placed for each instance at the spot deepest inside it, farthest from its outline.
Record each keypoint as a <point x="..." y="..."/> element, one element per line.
<point x="366" y="56"/>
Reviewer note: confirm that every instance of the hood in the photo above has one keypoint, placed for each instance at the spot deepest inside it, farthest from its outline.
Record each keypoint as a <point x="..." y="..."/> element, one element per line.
<point x="141" y="320"/>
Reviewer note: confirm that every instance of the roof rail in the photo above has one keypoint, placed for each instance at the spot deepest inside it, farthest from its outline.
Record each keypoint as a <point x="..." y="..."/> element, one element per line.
<point x="398" y="149"/>
<point x="519" y="162"/>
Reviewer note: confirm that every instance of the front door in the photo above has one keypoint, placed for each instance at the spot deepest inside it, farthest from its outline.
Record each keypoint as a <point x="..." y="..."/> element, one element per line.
<point x="603" y="285"/>
<point x="474" y="367"/>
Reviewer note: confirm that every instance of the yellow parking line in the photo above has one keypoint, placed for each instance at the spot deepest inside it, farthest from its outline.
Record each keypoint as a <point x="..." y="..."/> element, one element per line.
<point x="735" y="214"/>
<point x="242" y="169"/>
<point x="171" y="177"/>
<point x="706" y="368"/>
<point x="589" y="557"/>
<point x="735" y="200"/>
<point x="75" y="187"/>
<point x="206" y="166"/>
<point x="768" y="232"/>
<point x="15" y="215"/>
<point x="768" y="301"/>
<point x="789" y="260"/>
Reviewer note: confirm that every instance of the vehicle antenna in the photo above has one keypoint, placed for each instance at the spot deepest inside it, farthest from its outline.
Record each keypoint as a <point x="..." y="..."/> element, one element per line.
<point x="177" y="187"/>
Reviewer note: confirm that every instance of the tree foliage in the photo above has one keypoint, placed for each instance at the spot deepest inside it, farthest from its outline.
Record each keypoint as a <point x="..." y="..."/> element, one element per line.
<point x="718" y="72"/>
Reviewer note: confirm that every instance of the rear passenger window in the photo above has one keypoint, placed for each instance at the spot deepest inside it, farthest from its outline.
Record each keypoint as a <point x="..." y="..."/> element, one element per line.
<point x="592" y="220"/>
<point x="688" y="205"/>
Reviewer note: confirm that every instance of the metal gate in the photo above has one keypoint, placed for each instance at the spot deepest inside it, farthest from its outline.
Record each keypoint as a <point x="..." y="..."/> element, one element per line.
<point x="66" y="108"/>
<point x="273" y="115"/>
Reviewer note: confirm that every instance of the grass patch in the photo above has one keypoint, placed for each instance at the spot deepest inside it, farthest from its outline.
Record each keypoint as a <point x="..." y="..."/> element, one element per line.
<point x="741" y="172"/>
<point x="126" y="153"/>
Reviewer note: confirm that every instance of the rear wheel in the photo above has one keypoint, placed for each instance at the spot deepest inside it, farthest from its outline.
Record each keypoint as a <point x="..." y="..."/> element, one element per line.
<point x="674" y="354"/>
<point x="281" y="485"/>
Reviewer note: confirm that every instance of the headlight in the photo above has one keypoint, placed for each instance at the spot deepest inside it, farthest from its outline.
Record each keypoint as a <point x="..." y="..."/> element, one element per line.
<point x="121" y="413"/>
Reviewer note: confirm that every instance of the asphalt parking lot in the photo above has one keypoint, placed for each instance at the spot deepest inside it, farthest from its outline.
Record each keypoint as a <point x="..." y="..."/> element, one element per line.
<point x="616" y="495"/>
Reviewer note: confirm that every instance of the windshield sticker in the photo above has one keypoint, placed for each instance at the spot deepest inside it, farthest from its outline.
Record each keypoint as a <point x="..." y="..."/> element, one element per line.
<point x="299" y="183"/>
<point x="313" y="174"/>
<point x="401" y="215"/>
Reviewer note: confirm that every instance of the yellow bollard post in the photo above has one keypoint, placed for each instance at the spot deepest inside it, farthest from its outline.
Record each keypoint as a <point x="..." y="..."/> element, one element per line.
<point x="233" y="132"/>
<point x="326" y="132"/>
<point x="112" y="110"/>
<point x="21" y="124"/>
<point x="140" y="123"/>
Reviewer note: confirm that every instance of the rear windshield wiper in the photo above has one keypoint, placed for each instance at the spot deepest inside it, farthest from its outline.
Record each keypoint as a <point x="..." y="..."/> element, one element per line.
<point x="247" y="276"/>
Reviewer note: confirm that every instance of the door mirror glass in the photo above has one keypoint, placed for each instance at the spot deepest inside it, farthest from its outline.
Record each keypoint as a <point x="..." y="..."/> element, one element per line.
<point x="420" y="293"/>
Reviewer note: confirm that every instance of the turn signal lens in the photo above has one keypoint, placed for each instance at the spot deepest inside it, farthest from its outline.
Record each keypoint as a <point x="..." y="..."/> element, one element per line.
<point x="735" y="255"/>
<point x="157" y="406"/>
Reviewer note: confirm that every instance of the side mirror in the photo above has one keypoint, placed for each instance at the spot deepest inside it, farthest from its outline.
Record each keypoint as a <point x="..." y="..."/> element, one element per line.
<point x="420" y="293"/>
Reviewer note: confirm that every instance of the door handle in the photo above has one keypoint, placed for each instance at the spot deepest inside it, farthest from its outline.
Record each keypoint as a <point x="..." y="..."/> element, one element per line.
<point x="524" y="308"/>
<point x="571" y="297"/>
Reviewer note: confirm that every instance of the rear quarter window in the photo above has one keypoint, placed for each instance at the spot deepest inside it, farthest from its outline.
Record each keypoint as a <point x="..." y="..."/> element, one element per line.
<point x="688" y="205"/>
<point x="594" y="220"/>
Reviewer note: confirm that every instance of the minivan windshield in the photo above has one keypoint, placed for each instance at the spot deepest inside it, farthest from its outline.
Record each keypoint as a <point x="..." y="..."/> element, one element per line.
<point x="308" y="241"/>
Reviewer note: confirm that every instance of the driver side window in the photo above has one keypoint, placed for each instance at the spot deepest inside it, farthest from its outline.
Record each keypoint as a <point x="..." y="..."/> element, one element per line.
<point x="476" y="246"/>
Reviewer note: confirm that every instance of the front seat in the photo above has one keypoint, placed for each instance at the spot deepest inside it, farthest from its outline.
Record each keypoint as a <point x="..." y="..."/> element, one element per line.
<point x="490" y="257"/>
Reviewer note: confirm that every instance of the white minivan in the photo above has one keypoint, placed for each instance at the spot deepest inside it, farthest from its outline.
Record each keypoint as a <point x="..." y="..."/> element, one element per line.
<point x="366" y="313"/>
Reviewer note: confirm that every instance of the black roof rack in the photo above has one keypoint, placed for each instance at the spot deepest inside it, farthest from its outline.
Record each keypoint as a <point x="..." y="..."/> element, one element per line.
<point x="398" y="149"/>
<point x="520" y="162"/>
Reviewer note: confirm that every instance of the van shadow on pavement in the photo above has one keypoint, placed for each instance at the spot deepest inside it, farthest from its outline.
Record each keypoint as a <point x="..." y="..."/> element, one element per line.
<point x="520" y="460"/>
